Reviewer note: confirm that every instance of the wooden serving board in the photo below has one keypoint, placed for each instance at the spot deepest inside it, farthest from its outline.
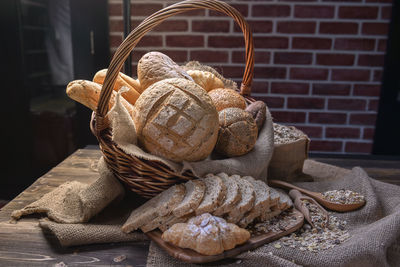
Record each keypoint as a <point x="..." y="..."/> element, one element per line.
<point x="191" y="256"/>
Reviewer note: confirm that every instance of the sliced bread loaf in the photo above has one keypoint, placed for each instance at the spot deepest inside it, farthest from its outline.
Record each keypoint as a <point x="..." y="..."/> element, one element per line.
<point x="284" y="200"/>
<point x="194" y="194"/>
<point x="245" y="204"/>
<point x="232" y="197"/>
<point x="160" y="205"/>
<point x="173" y="220"/>
<point x="261" y="202"/>
<point x="214" y="195"/>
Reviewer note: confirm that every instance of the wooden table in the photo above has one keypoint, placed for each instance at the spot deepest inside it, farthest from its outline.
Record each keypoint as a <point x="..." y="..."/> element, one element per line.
<point x="24" y="243"/>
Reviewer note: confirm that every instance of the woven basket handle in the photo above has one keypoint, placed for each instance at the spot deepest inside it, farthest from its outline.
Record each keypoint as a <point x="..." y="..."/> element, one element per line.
<point x="155" y="19"/>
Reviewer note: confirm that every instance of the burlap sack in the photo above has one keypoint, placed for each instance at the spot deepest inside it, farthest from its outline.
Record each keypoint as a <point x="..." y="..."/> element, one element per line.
<point x="254" y="163"/>
<point x="374" y="230"/>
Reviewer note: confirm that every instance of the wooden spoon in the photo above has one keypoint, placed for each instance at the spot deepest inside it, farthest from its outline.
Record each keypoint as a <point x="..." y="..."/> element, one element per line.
<point x="318" y="197"/>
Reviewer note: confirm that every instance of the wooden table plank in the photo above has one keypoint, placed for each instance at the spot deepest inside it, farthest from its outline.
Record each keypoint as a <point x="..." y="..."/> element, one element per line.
<point x="25" y="243"/>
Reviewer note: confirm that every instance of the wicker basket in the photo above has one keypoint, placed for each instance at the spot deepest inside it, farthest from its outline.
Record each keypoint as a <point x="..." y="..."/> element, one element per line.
<point x="144" y="177"/>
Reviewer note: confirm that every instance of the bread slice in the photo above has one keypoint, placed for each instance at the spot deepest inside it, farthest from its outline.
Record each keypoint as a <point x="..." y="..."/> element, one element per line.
<point x="160" y="205"/>
<point x="173" y="220"/>
<point x="285" y="201"/>
<point x="214" y="195"/>
<point x="232" y="197"/>
<point x="194" y="194"/>
<point x="274" y="195"/>
<point x="245" y="204"/>
<point x="261" y="203"/>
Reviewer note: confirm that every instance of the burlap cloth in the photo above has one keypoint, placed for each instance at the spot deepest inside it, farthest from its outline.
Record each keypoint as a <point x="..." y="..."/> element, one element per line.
<point x="81" y="214"/>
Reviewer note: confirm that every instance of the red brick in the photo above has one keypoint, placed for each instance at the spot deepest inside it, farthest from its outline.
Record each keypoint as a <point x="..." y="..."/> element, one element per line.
<point x="362" y="119"/>
<point x="192" y="13"/>
<point x="114" y="9"/>
<point x="296" y="27"/>
<point x="272" y="101"/>
<point x="382" y="45"/>
<point x="369" y="133"/>
<point x="311" y="43"/>
<point x="350" y="75"/>
<point x="325" y="146"/>
<point x="371" y="60"/>
<point x="115" y="40"/>
<point x="150" y="40"/>
<point x="259" y="87"/>
<point x="358" y="147"/>
<point x="342" y="132"/>
<point x="306" y="102"/>
<point x="172" y="26"/>
<point x="225" y="41"/>
<point x="116" y="25"/>
<point x="288" y="116"/>
<point x="243" y="9"/>
<point x="271" y="42"/>
<point x="335" y="59"/>
<point x="386" y="12"/>
<point x="289" y="88"/>
<point x="354" y="44"/>
<point x="270" y="72"/>
<point x="232" y="72"/>
<point x="271" y="11"/>
<point x="346" y="1"/>
<point x="311" y="131"/>
<point x="327" y="118"/>
<point x="330" y="89"/>
<point x="185" y="41"/>
<point x="378" y="76"/>
<point x="338" y="27"/>
<point x="209" y="56"/>
<point x="366" y="89"/>
<point x="373" y="105"/>
<point x="259" y="57"/>
<point x="292" y="58"/>
<point x="175" y="55"/>
<point x="346" y="104"/>
<point x="375" y="28"/>
<point x="307" y="11"/>
<point x="358" y="12"/>
<point x="210" y="26"/>
<point x="379" y="1"/>
<point x="308" y="74"/>
<point x="257" y="26"/>
<point x="144" y="9"/>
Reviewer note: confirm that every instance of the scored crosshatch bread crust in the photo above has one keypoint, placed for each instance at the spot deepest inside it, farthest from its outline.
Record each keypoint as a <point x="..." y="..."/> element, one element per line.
<point x="261" y="203"/>
<point x="176" y="119"/>
<point x="245" y="204"/>
<point x="214" y="195"/>
<point x="233" y="195"/>
<point x="160" y="205"/>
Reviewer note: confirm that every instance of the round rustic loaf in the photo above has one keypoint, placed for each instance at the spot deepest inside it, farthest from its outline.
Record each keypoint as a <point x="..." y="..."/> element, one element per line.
<point x="156" y="66"/>
<point x="176" y="119"/>
<point x="237" y="133"/>
<point x="227" y="98"/>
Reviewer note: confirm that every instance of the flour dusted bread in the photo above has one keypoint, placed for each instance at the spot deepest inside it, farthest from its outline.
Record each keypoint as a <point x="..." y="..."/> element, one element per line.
<point x="237" y="133"/>
<point x="227" y="98"/>
<point x="205" y="79"/>
<point x="206" y="234"/>
<point x="160" y="205"/>
<point x="156" y="66"/>
<point x="175" y="119"/>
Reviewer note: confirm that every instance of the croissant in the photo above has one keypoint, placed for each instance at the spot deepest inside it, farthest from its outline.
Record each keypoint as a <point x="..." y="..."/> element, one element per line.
<point x="206" y="234"/>
<point x="206" y="79"/>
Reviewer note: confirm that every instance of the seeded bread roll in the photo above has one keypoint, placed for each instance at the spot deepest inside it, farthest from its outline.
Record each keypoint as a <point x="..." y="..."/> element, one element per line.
<point x="214" y="195"/>
<point x="246" y="203"/>
<point x="227" y="98"/>
<point x="237" y="133"/>
<point x="155" y="66"/>
<point x="160" y="205"/>
<point x="176" y="119"/>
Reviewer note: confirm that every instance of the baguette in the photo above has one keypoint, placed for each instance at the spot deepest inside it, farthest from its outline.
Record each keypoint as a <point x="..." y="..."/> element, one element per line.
<point x="122" y="80"/>
<point x="88" y="93"/>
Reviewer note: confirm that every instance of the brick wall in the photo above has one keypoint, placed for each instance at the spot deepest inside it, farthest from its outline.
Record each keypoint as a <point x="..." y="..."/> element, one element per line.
<point x="318" y="63"/>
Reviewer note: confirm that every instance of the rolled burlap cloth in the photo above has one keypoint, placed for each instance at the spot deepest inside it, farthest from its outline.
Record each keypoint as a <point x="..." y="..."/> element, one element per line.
<point x="374" y="229"/>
